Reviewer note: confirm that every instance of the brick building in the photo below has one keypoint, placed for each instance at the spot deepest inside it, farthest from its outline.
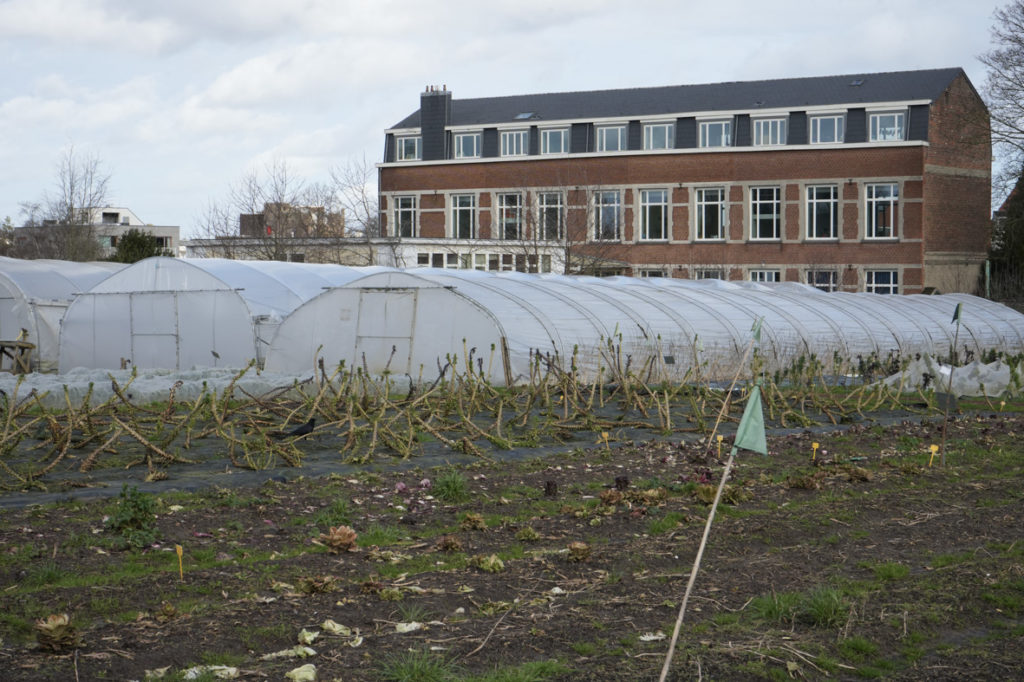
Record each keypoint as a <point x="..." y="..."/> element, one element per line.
<point x="876" y="182"/>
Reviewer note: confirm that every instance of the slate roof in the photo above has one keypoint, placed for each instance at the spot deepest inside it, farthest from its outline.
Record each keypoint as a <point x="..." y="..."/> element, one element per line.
<point x="793" y="93"/>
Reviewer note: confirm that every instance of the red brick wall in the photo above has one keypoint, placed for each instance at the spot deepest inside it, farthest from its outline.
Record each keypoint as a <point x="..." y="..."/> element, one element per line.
<point x="957" y="179"/>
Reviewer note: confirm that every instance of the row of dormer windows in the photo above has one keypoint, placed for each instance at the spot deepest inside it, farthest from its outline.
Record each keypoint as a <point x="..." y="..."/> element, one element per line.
<point x="768" y="131"/>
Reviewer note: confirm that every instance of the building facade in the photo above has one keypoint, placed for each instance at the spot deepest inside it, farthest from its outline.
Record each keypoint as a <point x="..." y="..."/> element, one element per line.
<point x="286" y="232"/>
<point x="110" y="223"/>
<point x="870" y="182"/>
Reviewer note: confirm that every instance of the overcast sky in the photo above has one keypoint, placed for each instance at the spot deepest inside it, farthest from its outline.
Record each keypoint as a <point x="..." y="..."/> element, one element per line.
<point x="180" y="98"/>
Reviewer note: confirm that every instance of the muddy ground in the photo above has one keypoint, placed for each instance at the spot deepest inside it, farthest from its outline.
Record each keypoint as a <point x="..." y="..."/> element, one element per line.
<point x="856" y="559"/>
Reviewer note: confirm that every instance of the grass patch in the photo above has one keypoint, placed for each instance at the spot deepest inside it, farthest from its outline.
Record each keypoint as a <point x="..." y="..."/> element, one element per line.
<point x="416" y="666"/>
<point x="824" y="607"/>
<point x="779" y="607"/>
<point x="451" y="487"/>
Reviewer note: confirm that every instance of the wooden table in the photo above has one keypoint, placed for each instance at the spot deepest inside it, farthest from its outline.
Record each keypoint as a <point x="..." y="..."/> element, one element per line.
<point x="20" y="355"/>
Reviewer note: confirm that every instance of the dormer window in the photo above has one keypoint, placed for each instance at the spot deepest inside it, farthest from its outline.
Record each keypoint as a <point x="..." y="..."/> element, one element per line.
<point x="659" y="135"/>
<point x="467" y="145"/>
<point x="888" y="126"/>
<point x="554" y="141"/>
<point x="716" y="133"/>
<point x="769" y="132"/>
<point x="827" y="129"/>
<point x="409" y="148"/>
<point x="514" y="142"/>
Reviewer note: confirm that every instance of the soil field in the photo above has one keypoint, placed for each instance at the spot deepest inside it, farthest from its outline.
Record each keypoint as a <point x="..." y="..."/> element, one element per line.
<point x="858" y="558"/>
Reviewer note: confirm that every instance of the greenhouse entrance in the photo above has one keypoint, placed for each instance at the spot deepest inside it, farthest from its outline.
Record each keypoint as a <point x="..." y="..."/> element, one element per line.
<point x="387" y="318"/>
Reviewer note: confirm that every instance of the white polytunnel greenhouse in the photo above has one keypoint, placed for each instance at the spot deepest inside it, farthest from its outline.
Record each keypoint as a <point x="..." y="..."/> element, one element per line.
<point x="415" y="321"/>
<point x="178" y="313"/>
<point x="34" y="295"/>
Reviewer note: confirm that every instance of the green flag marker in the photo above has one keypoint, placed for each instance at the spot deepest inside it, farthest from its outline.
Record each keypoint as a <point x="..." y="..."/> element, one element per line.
<point x="750" y="434"/>
<point x="956" y="313"/>
<point x="756" y="329"/>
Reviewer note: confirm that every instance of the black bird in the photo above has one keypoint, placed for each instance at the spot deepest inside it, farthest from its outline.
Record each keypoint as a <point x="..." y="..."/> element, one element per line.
<point x="298" y="431"/>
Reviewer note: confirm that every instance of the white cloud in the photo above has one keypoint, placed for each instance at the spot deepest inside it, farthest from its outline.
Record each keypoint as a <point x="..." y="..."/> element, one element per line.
<point x="80" y="22"/>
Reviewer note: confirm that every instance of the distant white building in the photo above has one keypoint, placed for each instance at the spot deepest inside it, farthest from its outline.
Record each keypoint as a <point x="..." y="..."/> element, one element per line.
<point x="112" y="222"/>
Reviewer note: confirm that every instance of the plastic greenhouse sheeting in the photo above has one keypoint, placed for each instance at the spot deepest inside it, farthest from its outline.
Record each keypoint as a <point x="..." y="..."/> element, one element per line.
<point x="176" y="313"/>
<point x="415" y="321"/>
<point x="34" y="295"/>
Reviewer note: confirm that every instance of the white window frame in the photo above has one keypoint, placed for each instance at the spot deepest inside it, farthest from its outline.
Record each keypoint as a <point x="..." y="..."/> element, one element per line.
<point x="837" y="130"/>
<point x="463" y="211"/>
<point x="765" y="209"/>
<point x="882" y="281"/>
<point x="826" y="279"/>
<point x="706" y="202"/>
<point x="881" y="210"/>
<point x="546" y="203"/>
<point x="709" y="273"/>
<point x="467" y="145"/>
<point x="769" y="132"/>
<point x="510" y="213"/>
<point x="515" y="142"/>
<point x="659" y="136"/>
<point x="723" y="135"/>
<point x="405" y="213"/>
<point x="607" y="209"/>
<point x="762" y="276"/>
<point x="652" y="201"/>
<point x="607" y="134"/>
<point x="404" y="151"/>
<point x="813" y="203"/>
<point x="549" y="137"/>
<point x="651" y="272"/>
<point x="882" y="130"/>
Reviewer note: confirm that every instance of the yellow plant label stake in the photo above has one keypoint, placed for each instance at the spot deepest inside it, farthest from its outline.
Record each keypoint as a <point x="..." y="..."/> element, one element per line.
<point x="814" y="451"/>
<point x="934" y="449"/>
<point x="720" y="439"/>
<point x="181" y="569"/>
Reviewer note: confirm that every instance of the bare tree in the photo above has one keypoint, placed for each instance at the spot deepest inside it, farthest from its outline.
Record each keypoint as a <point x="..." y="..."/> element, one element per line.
<point x="60" y="223"/>
<point x="354" y="185"/>
<point x="272" y="214"/>
<point x="1004" y="89"/>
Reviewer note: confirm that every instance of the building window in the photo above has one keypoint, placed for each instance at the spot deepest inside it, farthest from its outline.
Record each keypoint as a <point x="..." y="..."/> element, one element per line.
<point x="651" y="272"/>
<point x="409" y="148"/>
<point x="607" y="216"/>
<point x="822" y="279"/>
<point x="467" y="145"/>
<point x="437" y="260"/>
<point x="886" y="127"/>
<point x="551" y="215"/>
<point x="653" y="214"/>
<point x="823" y="212"/>
<point x="881" y="205"/>
<point x="510" y="216"/>
<point x="405" y="216"/>
<point x="882" y="281"/>
<point x="514" y="142"/>
<point x="769" y="131"/>
<point x="611" y="138"/>
<point x="659" y="135"/>
<point x="710" y="214"/>
<point x="555" y="141"/>
<point x="765" y="209"/>
<point x="708" y="273"/>
<point x="464" y="216"/>
<point x="827" y="129"/>
<point x="764" y="276"/>
<point x="296" y="257"/>
<point x="715" y="133"/>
